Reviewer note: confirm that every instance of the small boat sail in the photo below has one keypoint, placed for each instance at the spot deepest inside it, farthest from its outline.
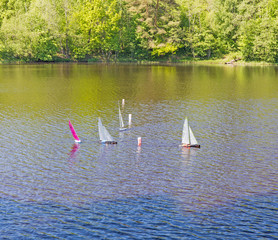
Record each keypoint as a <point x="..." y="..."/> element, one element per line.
<point x="104" y="135"/>
<point x="188" y="138"/>
<point x="76" y="138"/>
<point x="122" y="126"/>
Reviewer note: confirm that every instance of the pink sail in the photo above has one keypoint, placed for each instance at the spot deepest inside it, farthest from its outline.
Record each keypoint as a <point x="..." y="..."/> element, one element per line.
<point x="74" y="133"/>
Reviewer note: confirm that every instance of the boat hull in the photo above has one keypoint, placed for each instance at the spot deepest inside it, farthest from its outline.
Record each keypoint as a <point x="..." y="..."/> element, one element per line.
<point x="108" y="142"/>
<point x="192" y="146"/>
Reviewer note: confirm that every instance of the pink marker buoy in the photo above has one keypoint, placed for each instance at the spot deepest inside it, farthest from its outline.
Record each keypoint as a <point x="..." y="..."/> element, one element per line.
<point x="139" y="141"/>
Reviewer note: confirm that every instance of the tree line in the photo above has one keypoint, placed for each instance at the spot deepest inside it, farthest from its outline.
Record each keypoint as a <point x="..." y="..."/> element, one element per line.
<point x="113" y="30"/>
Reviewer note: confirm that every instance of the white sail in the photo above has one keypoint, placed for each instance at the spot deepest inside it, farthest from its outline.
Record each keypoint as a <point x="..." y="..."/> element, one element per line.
<point x="193" y="140"/>
<point x="185" y="133"/>
<point x="121" y="119"/>
<point x="100" y="130"/>
<point x="108" y="137"/>
<point x="103" y="133"/>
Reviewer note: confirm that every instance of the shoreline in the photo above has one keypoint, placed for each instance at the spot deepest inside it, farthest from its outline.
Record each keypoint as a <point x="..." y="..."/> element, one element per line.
<point x="221" y="62"/>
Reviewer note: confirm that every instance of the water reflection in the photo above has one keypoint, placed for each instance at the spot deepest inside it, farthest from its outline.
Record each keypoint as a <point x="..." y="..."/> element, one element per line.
<point x="185" y="153"/>
<point x="138" y="153"/>
<point x="73" y="152"/>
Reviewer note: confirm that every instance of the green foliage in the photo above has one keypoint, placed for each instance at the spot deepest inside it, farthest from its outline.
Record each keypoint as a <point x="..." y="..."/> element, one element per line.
<point x="89" y="30"/>
<point x="225" y="22"/>
<point x="166" y="49"/>
<point x="98" y="24"/>
<point x="259" y="30"/>
<point x="158" y="26"/>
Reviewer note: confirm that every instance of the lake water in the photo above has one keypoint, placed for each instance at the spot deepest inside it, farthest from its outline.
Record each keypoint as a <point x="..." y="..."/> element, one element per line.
<point x="53" y="188"/>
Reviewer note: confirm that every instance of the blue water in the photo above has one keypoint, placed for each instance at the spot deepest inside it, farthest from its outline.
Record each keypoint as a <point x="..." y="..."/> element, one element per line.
<point x="153" y="217"/>
<point x="53" y="188"/>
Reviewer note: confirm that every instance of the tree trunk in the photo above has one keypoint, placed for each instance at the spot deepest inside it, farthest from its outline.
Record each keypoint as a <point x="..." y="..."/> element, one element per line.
<point x="156" y="13"/>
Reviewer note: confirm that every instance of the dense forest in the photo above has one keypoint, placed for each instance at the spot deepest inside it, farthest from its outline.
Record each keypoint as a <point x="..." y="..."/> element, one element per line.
<point x="119" y="30"/>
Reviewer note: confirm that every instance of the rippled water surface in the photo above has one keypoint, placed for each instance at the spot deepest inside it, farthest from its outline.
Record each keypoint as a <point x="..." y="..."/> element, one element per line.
<point x="54" y="188"/>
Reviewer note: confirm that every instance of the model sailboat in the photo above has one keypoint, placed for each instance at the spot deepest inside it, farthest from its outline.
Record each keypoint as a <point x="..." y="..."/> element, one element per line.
<point x="188" y="138"/>
<point x="76" y="138"/>
<point x="104" y="135"/>
<point x="122" y="126"/>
